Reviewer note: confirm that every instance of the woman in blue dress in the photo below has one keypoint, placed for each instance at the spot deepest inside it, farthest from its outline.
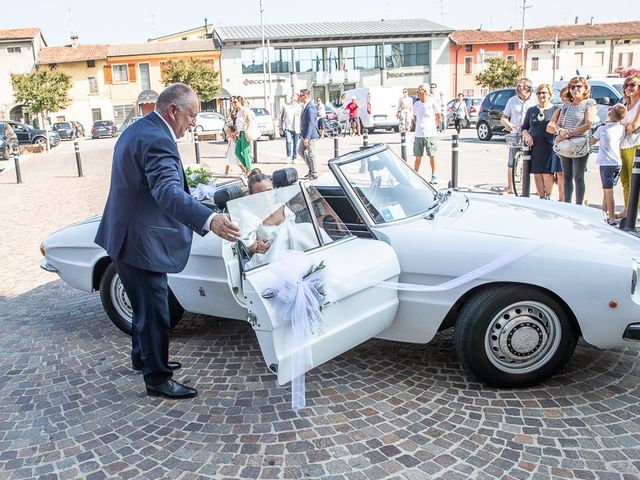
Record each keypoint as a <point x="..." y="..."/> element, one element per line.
<point x="534" y="133"/>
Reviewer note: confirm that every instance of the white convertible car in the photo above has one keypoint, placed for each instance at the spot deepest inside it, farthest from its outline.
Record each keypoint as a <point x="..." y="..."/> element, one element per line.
<point x="519" y="279"/>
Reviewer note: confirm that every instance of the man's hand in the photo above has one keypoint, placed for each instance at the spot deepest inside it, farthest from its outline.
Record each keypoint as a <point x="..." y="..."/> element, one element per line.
<point x="305" y="141"/>
<point x="223" y="227"/>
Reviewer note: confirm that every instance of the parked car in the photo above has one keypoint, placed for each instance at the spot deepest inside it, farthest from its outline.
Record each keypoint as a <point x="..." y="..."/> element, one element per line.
<point x="54" y="139"/>
<point x="606" y="92"/>
<point x="473" y="106"/>
<point x="27" y="135"/>
<point x="210" y="122"/>
<point x="265" y="121"/>
<point x="377" y="107"/>
<point x="65" y="130"/>
<point x="491" y="111"/>
<point x="8" y="141"/>
<point x="329" y="112"/>
<point x="104" y="128"/>
<point x="476" y="262"/>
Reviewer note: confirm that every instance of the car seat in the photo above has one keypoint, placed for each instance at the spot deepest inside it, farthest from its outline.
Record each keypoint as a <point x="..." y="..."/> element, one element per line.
<point x="284" y="177"/>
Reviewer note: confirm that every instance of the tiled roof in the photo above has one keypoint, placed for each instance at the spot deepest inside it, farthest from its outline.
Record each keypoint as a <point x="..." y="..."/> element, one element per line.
<point x="72" y="54"/>
<point x="151" y="48"/>
<point x="18" y="33"/>
<point x="564" y="32"/>
<point x="331" y="30"/>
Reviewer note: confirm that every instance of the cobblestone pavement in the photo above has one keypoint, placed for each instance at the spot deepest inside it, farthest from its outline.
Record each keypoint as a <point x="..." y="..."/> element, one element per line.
<point x="71" y="408"/>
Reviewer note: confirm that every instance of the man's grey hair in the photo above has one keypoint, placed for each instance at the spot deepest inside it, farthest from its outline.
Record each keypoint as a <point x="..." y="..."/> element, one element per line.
<point x="180" y="94"/>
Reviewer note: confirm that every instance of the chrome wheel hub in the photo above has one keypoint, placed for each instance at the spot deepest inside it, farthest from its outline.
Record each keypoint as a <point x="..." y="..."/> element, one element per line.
<point x="120" y="299"/>
<point x="522" y="337"/>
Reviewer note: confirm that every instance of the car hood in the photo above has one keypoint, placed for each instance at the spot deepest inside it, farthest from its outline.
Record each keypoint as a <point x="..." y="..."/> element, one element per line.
<point x="542" y="221"/>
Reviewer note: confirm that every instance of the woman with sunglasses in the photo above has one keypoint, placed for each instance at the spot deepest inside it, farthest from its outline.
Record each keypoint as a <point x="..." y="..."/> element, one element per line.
<point x="576" y="119"/>
<point x="631" y="140"/>
<point x="534" y="133"/>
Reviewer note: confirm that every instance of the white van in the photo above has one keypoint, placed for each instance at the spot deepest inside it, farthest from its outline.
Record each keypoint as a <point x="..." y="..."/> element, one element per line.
<point x="606" y="92"/>
<point x="378" y="106"/>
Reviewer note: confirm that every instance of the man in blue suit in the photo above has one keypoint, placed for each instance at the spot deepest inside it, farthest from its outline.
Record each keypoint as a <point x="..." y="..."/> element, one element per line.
<point x="147" y="225"/>
<point x="308" y="132"/>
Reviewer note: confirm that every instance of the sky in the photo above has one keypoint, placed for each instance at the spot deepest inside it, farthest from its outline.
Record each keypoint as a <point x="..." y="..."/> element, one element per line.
<point x="132" y="21"/>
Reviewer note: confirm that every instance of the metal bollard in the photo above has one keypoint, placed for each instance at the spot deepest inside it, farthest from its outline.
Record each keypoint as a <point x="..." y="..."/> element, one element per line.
<point x="403" y="145"/>
<point x="196" y="143"/>
<point x="76" y="147"/>
<point x="16" y="163"/>
<point x="365" y="137"/>
<point x="526" y="171"/>
<point x="336" y="149"/>
<point x="454" y="161"/>
<point x="255" y="151"/>
<point x="629" y="222"/>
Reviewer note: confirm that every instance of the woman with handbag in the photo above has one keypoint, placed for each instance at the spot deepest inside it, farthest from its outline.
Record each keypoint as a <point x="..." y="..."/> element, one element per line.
<point x="572" y="143"/>
<point x="243" y="124"/>
<point x="631" y="140"/>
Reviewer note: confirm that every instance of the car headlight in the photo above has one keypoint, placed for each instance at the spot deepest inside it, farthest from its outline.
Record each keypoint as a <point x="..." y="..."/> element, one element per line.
<point x="634" y="276"/>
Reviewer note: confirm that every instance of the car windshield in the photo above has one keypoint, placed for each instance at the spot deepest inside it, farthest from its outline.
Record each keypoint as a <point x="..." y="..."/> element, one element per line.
<point x="290" y="218"/>
<point x="61" y="125"/>
<point x="260" y="111"/>
<point x="103" y="123"/>
<point x="388" y="189"/>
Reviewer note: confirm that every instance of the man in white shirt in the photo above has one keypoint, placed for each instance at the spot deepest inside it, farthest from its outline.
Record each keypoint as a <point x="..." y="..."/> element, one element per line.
<point x="512" y="119"/>
<point x="290" y="126"/>
<point x="426" y="115"/>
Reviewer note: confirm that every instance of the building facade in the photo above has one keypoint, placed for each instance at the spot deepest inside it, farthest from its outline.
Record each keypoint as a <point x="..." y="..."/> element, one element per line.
<point x="19" y="49"/>
<point x="331" y="58"/>
<point x="551" y="53"/>
<point x="89" y="95"/>
<point x="117" y="82"/>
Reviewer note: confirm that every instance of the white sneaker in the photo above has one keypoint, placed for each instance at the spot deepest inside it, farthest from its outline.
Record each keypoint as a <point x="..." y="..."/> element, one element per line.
<point x="434" y="179"/>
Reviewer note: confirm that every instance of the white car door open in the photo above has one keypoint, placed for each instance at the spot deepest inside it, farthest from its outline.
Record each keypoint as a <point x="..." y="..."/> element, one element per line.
<point x="305" y="229"/>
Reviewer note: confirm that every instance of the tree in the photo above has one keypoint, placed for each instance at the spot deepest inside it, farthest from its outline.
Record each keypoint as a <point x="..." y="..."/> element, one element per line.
<point x="499" y="74"/>
<point x="42" y="92"/>
<point x="196" y="73"/>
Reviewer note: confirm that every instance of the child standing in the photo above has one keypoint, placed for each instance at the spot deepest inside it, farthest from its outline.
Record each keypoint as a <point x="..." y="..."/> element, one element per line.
<point x="609" y="136"/>
<point x="231" y="160"/>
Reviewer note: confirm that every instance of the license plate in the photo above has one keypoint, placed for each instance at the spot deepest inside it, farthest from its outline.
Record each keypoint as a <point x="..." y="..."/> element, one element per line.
<point x="379" y="117"/>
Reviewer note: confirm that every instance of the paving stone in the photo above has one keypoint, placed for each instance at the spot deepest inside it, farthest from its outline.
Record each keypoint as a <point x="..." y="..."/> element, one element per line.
<point x="70" y="406"/>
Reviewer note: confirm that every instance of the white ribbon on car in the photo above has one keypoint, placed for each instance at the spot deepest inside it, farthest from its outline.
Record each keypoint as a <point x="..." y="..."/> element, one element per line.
<point x="203" y="191"/>
<point x="501" y="261"/>
<point x="299" y="296"/>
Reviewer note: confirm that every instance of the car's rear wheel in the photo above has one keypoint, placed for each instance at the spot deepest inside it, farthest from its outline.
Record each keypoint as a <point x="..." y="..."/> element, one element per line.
<point x="40" y="141"/>
<point x="116" y="302"/>
<point x="514" y="336"/>
<point x="483" y="130"/>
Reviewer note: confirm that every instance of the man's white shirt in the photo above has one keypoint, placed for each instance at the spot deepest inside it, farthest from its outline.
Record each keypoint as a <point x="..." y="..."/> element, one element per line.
<point x="425" y="114"/>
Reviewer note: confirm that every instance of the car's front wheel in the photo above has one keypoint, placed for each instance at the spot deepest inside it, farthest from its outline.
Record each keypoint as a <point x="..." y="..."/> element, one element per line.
<point x="118" y="307"/>
<point x="514" y="336"/>
<point x="483" y="129"/>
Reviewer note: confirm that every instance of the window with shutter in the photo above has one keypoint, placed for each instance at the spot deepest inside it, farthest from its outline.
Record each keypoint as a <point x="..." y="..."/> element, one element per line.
<point x="108" y="78"/>
<point x="132" y="72"/>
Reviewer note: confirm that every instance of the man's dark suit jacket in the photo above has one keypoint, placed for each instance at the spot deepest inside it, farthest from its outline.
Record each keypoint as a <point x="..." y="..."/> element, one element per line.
<point x="149" y="216"/>
<point x="309" y="122"/>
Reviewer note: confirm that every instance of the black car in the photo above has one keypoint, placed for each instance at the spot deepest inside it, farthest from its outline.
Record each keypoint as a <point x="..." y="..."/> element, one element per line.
<point x="104" y="128"/>
<point x="490" y="113"/>
<point x="66" y="130"/>
<point x="7" y="141"/>
<point x="27" y="135"/>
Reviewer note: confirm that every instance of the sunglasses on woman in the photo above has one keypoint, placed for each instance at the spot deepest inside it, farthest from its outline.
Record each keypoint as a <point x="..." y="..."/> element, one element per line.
<point x="631" y="85"/>
<point x="576" y="87"/>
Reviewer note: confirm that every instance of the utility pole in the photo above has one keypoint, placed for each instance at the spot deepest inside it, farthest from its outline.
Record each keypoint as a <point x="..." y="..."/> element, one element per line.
<point x="524" y="60"/>
<point x="264" y="62"/>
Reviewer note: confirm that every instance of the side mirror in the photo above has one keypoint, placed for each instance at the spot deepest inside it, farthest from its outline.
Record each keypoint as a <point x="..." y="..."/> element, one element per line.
<point x="604" y="101"/>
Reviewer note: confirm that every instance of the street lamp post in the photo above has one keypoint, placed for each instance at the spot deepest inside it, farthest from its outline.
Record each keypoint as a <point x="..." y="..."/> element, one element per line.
<point x="522" y="43"/>
<point x="264" y="61"/>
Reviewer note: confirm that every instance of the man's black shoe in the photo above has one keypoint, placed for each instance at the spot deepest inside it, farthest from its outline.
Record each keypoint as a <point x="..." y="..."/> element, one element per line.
<point x="171" y="389"/>
<point x="172" y="366"/>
